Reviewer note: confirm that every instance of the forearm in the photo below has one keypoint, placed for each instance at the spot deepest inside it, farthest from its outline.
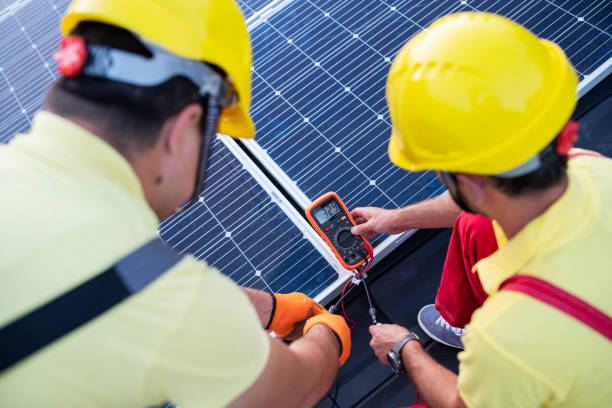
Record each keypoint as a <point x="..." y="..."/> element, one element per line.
<point x="437" y="212"/>
<point x="317" y="353"/>
<point x="297" y="375"/>
<point x="262" y="302"/>
<point x="436" y="385"/>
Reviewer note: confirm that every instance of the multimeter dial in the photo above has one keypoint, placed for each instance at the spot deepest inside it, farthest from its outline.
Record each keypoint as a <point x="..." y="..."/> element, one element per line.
<point x="344" y="238"/>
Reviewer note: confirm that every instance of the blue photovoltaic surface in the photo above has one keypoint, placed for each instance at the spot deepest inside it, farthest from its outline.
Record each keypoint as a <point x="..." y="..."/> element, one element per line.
<point x="29" y="31"/>
<point x="239" y="229"/>
<point x="236" y="227"/>
<point x="249" y="7"/>
<point x="319" y="76"/>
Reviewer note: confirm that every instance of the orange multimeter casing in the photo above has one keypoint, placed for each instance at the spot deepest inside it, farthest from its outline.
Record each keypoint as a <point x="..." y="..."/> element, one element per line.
<point x="333" y="221"/>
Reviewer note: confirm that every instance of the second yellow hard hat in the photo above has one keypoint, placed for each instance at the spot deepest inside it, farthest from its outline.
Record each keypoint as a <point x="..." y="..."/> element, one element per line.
<point x="476" y="93"/>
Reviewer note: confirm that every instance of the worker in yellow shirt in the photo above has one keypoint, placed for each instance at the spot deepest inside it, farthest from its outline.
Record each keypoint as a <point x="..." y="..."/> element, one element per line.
<point x="94" y="310"/>
<point x="487" y="104"/>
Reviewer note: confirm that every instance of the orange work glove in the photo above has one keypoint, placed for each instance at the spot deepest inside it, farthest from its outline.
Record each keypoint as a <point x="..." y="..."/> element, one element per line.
<point x="337" y="324"/>
<point x="289" y="313"/>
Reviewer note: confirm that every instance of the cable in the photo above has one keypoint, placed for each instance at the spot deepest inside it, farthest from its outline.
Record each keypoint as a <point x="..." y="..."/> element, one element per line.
<point x="353" y="323"/>
<point x="333" y="400"/>
<point x="372" y="309"/>
<point x="370" y="261"/>
<point x="334" y="307"/>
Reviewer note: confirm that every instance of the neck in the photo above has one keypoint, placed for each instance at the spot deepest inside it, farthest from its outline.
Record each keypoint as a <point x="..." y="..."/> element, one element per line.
<point x="516" y="212"/>
<point x="144" y="165"/>
<point x="149" y="177"/>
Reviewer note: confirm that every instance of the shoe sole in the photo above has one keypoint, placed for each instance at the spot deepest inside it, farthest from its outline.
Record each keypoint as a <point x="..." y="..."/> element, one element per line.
<point x="434" y="338"/>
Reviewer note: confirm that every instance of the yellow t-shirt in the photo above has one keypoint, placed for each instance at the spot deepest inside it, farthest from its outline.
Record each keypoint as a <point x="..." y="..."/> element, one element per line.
<point x="71" y="206"/>
<point x="521" y="352"/>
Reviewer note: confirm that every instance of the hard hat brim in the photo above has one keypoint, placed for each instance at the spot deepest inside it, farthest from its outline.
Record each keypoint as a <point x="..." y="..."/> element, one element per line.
<point x="234" y="122"/>
<point x="397" y="157"/>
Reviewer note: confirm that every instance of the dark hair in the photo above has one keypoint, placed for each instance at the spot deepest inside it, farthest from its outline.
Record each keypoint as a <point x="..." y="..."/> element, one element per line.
<point x="550" y="173"/>
<point x="130" y="117"/>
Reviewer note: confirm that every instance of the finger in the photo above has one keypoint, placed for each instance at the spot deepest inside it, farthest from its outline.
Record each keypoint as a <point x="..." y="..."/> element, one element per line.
<point x="373" y="329"/>
<point x="318" y="308"/>
<point x="365" y="228"/>
<point x="359" y="212"/>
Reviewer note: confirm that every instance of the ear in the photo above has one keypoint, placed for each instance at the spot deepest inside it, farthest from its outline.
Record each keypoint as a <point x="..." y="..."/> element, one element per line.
<point x="473" y="187"/>
<point x="180" y="128"/>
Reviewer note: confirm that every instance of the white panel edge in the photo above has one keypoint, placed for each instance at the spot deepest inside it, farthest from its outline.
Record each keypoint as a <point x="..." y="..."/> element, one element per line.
<point x="595" y="77"/>
<point x="266" y="12"/>
<point x="309" y="233"/>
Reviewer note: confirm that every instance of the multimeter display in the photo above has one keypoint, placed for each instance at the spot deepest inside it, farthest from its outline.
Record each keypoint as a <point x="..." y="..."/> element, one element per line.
<point x="332" y="220"/>
<point x="325" y="213"/>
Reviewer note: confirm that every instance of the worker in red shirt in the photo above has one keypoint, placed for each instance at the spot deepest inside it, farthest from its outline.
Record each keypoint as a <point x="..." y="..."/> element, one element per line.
<point x="122" y="142"/>
<point x="525" y="287"/>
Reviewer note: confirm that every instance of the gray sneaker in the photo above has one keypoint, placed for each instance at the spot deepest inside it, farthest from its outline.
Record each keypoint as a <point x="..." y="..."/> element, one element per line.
<point x="438" y="329"/>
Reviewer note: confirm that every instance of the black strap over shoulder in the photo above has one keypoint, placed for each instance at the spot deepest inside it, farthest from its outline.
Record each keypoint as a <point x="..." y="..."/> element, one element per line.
<point x="72" y="309"/>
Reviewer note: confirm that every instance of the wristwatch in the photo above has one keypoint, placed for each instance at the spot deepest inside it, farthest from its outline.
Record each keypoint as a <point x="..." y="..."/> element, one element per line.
<point x="395" y="355"/>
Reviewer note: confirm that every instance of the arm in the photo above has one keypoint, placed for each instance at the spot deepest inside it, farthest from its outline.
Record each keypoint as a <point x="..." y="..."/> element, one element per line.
<point x="297" y="375"/>
<point x="262" y="302"/>
<point x="437" y="212"/>
<point x="436" y="384"/>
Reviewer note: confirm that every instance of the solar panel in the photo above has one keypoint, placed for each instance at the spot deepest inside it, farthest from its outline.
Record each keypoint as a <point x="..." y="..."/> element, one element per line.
<point x="319" y="78"/>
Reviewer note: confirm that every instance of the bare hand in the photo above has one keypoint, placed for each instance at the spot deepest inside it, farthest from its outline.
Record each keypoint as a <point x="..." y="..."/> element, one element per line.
<point x="384" y="337"/>
<point x="373" y="220"/>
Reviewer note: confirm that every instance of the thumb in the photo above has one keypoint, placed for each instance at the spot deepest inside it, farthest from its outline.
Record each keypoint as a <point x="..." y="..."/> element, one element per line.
<point x="362" y="228"/>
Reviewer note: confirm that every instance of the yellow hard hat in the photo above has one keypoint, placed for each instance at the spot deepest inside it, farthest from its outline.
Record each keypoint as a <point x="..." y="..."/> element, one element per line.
<point x="213" y="31"/>
<point x="476" y="93"/>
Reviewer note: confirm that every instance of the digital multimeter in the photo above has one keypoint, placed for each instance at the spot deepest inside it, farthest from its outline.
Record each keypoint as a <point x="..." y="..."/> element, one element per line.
<point x="332" y="220"/>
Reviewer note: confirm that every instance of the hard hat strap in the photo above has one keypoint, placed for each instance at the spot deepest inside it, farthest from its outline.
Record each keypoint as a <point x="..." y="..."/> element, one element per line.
<point x="134" y="69"/>
<point x="560" y="145"/>
<point x="449" y="179"/>
<point x="532" y="164"/>
<point x="122" y="66"/>
<point x="210" y="131"/>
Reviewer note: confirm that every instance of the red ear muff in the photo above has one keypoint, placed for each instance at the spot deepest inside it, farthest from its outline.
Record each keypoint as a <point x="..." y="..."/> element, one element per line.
<point x="71" y="56"/>
<point x="567" y="137"/>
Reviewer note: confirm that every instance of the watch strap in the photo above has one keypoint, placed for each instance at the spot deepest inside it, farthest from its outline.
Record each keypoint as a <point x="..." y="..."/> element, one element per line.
<point x="399" y="345"/>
